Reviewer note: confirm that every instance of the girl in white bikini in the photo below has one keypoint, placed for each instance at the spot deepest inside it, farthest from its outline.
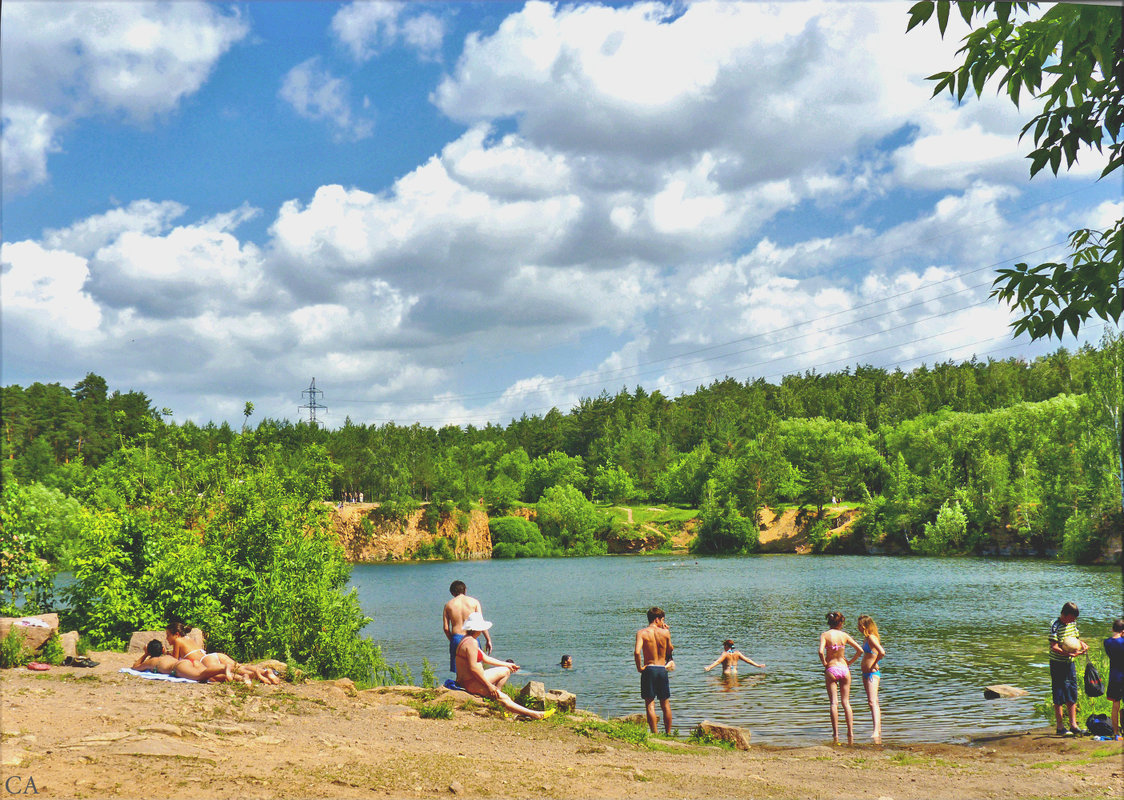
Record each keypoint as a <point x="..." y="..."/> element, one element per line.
<point x="837" y="675"/>
<point x="185" y="649"/>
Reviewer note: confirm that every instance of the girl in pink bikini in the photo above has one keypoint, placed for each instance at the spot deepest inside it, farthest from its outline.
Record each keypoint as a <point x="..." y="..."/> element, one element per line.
<point x="837" y="675"/>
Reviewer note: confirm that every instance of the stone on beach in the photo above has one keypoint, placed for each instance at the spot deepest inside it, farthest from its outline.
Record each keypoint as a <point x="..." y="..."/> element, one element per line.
<point x="738" y="737"/>
<point x="565" y="701"/>
<point x="33" y="635"/>
<point x="532" y="691"/>
<point x="1003" y="690"/>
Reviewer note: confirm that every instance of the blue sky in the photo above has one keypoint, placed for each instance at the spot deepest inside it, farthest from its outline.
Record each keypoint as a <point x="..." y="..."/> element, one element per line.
<point x="458" y="213"/>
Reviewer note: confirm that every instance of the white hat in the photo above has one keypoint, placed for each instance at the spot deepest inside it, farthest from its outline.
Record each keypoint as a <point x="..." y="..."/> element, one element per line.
<point x="476" y="622"/>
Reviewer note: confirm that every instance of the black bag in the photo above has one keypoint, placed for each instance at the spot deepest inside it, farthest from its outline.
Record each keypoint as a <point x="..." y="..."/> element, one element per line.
<point x="1099" y="725"/>
<point x="1094" y="687"/>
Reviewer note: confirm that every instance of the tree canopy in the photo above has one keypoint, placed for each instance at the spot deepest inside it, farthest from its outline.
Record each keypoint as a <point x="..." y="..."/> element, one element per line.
<point x="1068" y="61"/>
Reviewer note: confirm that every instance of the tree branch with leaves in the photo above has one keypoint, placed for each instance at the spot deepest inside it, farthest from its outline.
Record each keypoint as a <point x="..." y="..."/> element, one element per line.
<point x="1068" y="60"/>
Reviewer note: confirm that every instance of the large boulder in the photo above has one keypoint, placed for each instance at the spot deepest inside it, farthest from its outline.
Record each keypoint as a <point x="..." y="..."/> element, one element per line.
<point x="738" y="737"/>
<point x="33" y="635"/>
<point x="566" y="701"/>
<point x="139" y="640"/>
<point x="1003" y="690"/>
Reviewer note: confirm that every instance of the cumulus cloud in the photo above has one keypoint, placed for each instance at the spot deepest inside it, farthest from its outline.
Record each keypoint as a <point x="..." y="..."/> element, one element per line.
<point x="366" y="28"/>
<point x="316" y="94"/>
<point x="64" y="61"/>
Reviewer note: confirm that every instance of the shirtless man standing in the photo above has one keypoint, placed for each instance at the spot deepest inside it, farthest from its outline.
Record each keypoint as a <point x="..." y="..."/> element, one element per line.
<point x="653" y="644"/>
<point x="456" y="612"/>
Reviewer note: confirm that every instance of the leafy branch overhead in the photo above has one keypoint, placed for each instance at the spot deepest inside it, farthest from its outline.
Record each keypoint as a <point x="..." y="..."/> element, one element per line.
<point x="1068" y="60"/>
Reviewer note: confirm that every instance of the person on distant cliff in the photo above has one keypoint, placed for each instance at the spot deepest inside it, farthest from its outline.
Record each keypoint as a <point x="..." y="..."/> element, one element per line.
<point x="653" y="647"/>
<point x="452" y="620"/>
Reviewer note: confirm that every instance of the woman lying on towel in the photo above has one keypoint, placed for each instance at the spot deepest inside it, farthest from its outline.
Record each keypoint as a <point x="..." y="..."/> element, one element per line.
<point x="186" y="649"/>
<point x="154" y="660"/>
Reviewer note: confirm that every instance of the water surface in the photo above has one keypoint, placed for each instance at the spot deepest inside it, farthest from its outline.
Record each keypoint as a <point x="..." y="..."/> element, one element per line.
<point x="950" y="626"/>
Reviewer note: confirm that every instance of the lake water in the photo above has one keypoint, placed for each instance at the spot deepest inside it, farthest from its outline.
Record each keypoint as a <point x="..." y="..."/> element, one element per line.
<point x="951" y="626"/>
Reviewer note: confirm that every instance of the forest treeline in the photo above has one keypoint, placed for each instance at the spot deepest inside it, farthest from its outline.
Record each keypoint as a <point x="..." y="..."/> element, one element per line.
<point x="228" y="529"/>
<point x="946" y="458"/>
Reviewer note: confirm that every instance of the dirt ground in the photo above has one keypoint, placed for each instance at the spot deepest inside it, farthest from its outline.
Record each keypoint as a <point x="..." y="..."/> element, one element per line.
<point x="93" y="733"/>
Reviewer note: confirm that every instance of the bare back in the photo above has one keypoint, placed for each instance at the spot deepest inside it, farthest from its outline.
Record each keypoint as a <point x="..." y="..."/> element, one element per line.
<point x="457" y="611"/>
<point x="654" y="643"/>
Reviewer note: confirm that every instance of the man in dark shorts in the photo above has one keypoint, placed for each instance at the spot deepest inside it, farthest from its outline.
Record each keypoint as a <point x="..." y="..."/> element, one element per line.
<point x="653" y="645"/>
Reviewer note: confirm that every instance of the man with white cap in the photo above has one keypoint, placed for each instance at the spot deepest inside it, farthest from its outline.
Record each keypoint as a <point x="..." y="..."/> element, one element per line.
<point x="475" y="679"/>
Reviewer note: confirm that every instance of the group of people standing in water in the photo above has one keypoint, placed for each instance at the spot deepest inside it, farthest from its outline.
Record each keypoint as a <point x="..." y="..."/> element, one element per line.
<point x="837" y="672"/>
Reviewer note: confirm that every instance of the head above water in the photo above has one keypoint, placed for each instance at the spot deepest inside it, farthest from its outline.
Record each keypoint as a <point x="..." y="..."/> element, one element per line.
<point x="654" y="613"/>
<point x="154" y="648"/>
<point x="835" y="619"/>
<point x="566" y="662"/>
<point x="867" y="625"/>
<point x="457" y="588"/>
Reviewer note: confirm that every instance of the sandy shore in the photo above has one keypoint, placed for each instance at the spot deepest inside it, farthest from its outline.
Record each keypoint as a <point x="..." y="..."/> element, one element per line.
<point x="93" y="733"/>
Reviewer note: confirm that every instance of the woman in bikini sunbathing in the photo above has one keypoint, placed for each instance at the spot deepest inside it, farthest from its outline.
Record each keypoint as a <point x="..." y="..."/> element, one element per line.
<point x="474" y="679"/>
<point x="186" y="649"/>
<point x="155" y="660"/>
<point x="872" y="675"/>
<point x="837" y="675"/>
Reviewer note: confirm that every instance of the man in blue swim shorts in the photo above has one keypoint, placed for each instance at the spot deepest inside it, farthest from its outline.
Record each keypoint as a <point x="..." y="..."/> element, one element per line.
<point x="653" y="645"/>
<point x="453" y="617"/>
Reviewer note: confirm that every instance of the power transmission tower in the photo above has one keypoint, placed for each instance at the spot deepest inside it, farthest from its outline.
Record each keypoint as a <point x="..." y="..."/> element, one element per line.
<point x="312" y="405"/>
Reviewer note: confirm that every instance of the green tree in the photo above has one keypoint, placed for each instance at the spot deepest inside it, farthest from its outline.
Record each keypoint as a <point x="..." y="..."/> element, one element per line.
<point x="722" y="528"/>
<point x="571" y="523"/>
<point x="515" y="537"/>
<point x="1068" y="60"/>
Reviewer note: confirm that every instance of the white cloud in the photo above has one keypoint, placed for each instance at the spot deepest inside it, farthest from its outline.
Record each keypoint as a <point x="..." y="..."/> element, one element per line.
<point x="64" y="61"/>
<point x="368" y="27"/>
<point x="316" y="94"/>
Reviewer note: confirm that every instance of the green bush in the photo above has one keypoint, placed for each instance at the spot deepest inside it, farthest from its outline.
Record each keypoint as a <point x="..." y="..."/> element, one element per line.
<point x="945" y="534"/>
<point x="428" y="676"/>
<point x="722" y="528"/>
<point x="570" y="523"/>
<point x="516" y="537"/>
<point x="264" y="577"/>
<point x="1081" y="541"/>
<point x="14" y="651"/>
<point x="26" y="577"/>
<point x="51" y="652"/>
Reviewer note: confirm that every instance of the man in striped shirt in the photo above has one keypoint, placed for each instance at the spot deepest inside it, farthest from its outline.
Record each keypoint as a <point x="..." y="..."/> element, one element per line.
<point x="1063" y="671"/>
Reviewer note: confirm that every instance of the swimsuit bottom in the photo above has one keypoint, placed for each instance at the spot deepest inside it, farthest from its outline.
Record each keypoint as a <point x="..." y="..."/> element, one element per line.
<point x="874" y="673"/>
<point x="654" y="683"/>
<point x="453" y="642"/>
<point x="837" y="673"/>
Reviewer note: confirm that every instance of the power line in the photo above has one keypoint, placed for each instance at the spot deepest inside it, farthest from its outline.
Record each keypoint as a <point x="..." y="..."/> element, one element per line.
<point x="312" y="405"/>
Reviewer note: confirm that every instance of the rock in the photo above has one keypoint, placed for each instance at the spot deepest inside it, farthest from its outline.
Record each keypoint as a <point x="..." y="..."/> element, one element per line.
<point x="69" y="642"/>
<point x="272" y="663"/>
<point x="635" y="719"/>
<point x="139" y="640"/>
<point x="564" y="700"/>
<point x="347" y="685"/>
<point x="532" y="691"/>
<point x="738" y="737"/>
<point x="13" y="757"/>
<point x="456" y="788"/>
<point x="33" y="635"/>
<point x="161" y="727"/>
<point x="1003" y="690"/>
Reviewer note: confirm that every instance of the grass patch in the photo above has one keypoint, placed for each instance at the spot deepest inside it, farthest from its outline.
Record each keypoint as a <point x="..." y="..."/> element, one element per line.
<point x="702" y="737"/>
<point x="440" y="710"/>
<point x="620" y="731"/>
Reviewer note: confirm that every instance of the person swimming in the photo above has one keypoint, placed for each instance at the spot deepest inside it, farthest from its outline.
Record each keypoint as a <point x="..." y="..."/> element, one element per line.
<point x="730" y="658"/>
<point x="566" y="662"/>
<point x="837" y="675"/>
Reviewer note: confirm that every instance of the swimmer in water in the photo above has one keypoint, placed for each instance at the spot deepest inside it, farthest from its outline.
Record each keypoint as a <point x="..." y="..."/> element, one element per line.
<point x="730" y="658"/>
